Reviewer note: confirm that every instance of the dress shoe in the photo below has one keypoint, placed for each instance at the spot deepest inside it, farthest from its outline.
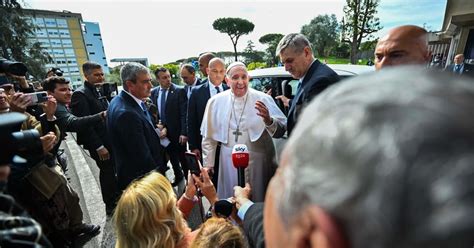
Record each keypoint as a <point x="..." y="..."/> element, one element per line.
<point x="86" y="229"/>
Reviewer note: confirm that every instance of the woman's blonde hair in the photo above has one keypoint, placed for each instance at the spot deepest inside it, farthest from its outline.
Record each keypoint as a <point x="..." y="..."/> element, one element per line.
<point x="219" y="233"/>
<point x="146" y="214"/>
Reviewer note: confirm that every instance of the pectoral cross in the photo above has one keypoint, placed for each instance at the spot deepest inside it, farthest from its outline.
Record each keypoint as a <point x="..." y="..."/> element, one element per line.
<point x="236" y="133"/>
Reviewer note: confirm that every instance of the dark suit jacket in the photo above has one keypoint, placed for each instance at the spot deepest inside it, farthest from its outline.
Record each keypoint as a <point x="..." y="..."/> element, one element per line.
<point x="317" y="79"/>
<point x="253" y="225"/>
<point x="186" y="87"/>
<point x="196" y="106"/>
<point x="85" y="101"/>
<point x="68" y="122"/>
<point x="468" y="69"/>
<point x="136" y="145"/>
<point x="176" y="104"/>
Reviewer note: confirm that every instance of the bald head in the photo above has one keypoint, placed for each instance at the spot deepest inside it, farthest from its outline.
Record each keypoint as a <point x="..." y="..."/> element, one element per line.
<point x="404" y="45"/>
<point x="216" y="71"/>
<point x="204" y="62"/>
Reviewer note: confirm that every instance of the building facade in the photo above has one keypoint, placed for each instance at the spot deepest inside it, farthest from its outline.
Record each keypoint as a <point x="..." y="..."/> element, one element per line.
<point x="94" y="46"/>
<point x="458" y="30"/>
<point x="60" y="34"/>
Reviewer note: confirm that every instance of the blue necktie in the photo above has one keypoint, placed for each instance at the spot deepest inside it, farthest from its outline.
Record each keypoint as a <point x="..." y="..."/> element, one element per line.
<point x="163" y="105"/>
<point x="218" y="90"/>
<point x="145" y="111"/>
<point x="457" y="69"/>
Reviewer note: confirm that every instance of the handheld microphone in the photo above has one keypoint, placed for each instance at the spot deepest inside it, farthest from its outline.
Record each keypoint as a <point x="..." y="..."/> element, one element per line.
<point x="240" y="160"/>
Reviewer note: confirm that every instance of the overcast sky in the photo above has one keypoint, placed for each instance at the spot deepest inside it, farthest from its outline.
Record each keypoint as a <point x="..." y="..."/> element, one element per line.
<point x="165" y="31"/>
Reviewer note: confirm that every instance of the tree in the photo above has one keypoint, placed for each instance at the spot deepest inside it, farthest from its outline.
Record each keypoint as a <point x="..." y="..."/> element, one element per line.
<point x="322" y="32"/>
<point x="359" y="22"/>
<point x="15" y="31"/>
<point x="234" y="27"/>
<point x="272" y="41"/>
<point x="251" y="55"/>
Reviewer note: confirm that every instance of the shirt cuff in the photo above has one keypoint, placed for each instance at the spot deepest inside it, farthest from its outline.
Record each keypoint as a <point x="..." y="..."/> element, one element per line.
<point x="272" y="128"/>
<point x="49" y="119"/>
<point x="243" y="209"/>
<point x="100" y="147"/>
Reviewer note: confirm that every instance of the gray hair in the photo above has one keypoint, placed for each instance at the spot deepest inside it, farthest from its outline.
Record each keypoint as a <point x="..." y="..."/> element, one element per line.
<point x="129" y="72"/>
<point x="294" y="41"/>
<point x="390" y="156"/>
<point x="89" y="66"/>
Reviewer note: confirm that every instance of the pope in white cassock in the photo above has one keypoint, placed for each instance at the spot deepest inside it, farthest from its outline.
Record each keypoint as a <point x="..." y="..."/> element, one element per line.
<point x="242" y="116"/>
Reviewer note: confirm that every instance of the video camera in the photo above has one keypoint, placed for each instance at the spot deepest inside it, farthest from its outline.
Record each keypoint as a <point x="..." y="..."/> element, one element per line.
<point x="25" y="144"/>
<point x="12" y="67"/>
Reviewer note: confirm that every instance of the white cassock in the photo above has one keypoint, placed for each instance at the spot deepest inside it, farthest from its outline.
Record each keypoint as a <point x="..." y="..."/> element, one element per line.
<point x="222" y="116"/>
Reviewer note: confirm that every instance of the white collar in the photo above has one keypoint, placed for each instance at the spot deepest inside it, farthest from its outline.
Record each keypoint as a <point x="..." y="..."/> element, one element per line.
<point x="139" y="101"/>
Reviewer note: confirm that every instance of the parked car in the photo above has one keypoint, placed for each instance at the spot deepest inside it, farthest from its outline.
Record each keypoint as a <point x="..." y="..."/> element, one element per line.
<point x="282" y="83"/>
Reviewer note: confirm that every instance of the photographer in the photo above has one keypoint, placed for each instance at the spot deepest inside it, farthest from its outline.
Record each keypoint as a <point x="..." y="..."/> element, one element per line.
<point x="41" y="188"/>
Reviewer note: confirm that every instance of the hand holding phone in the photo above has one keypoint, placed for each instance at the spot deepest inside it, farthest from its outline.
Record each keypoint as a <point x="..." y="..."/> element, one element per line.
<point x="38" y="97"/>
<point x="192" y="162"/>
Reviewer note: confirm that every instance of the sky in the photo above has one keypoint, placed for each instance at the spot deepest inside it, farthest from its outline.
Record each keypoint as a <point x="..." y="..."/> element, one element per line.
<point x="164" y="31"/>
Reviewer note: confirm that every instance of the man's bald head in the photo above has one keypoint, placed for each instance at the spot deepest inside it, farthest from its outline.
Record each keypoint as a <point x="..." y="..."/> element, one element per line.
<point x="404" y="45"/>
<point x="216" y="71"/>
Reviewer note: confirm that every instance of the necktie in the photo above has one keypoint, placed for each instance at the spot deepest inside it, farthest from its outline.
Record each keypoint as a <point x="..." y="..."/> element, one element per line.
<point x="457" y="68"/>
<point x="189" y="91"/>
<point x="218" y="90"/>
<point x="300" y="82"/>
<point x="163" y="105"/>
<point x="145" y="111"/>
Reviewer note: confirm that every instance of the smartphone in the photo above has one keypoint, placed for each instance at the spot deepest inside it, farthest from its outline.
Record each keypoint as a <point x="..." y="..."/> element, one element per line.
<point x="192" y="163"/>
<point x="38" y="97"/>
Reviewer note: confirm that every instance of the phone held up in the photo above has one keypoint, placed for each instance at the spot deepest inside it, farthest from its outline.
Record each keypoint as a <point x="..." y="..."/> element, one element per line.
<point x="193" y="163"/>
<point x="38" y="97"/>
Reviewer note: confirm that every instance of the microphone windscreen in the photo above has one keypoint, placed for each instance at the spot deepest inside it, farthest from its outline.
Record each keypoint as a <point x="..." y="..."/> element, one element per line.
<point x="240" y="156"/>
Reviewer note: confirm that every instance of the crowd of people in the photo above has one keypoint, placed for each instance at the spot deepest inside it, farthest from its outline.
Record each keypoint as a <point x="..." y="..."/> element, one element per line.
<point x="378" y="160"/>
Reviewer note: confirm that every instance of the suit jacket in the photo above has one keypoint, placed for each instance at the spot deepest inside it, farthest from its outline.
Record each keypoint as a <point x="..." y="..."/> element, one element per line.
<point x="186" y="87"/>
<point x="176" y="106"/>
<point x="68" y="122"/>
<point x="136" y="145"/>
<point x="86" y="101"/>
<point x="468" y="69"/>
<point x="196" y="107"/>
<point x="318" y="77"/>
<point x="253" y="225"/>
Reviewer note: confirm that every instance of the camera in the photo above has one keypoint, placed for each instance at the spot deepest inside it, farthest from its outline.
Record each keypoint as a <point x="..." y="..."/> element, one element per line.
<point x="25" y="144"/>
<point x="12" y="67"/>
<point x="55" y="71"/>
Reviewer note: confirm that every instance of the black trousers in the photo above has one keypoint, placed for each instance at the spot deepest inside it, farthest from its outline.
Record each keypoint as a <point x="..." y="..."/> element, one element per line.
<point x="107" y="178"/>
<point x="175" y="153"/>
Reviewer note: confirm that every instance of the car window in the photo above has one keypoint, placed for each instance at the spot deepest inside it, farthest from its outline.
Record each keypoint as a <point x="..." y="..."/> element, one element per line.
<point x="260" y="84"/>
<point x="294" y="86"/>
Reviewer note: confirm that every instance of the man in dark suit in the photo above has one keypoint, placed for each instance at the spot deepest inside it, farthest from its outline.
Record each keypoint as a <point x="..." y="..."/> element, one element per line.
<point x="188" y="74"/>
<point x="136" y="144"/>
<point x="198" y="100"/>
<point x="88" y="100"/>
<point x="297" y="56"/>
<point x="171" y="101"/>
<point x="459" y="67"/>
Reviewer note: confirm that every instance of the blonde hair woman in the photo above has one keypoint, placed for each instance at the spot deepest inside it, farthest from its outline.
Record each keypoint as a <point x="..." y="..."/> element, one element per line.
<point x="219" y="233"/>
<point x="148" y="214"/>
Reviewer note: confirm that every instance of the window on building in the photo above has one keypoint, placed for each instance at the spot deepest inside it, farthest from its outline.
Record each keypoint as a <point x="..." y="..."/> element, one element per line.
<point x="96" y="34"/>
<point x="39" y="21"/>
<point x="44" y="43"/>
<point x="67" y="43"/>
<point x="69" y="52"/>
<point x="50" y="22"/>
<point x="89" y="45"/>
<point x="55" y="42"/>
<point x="53" y="32"/>
<point x="92" y="53"/>
<point x="58" y="52"/>
<point x="62" y="23"/>
<point x="64" y="33"/>
<point x="41" y="33"/>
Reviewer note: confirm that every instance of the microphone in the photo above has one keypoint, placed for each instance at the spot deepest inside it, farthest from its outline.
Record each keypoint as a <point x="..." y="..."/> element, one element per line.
<point x="240" y="160"/>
